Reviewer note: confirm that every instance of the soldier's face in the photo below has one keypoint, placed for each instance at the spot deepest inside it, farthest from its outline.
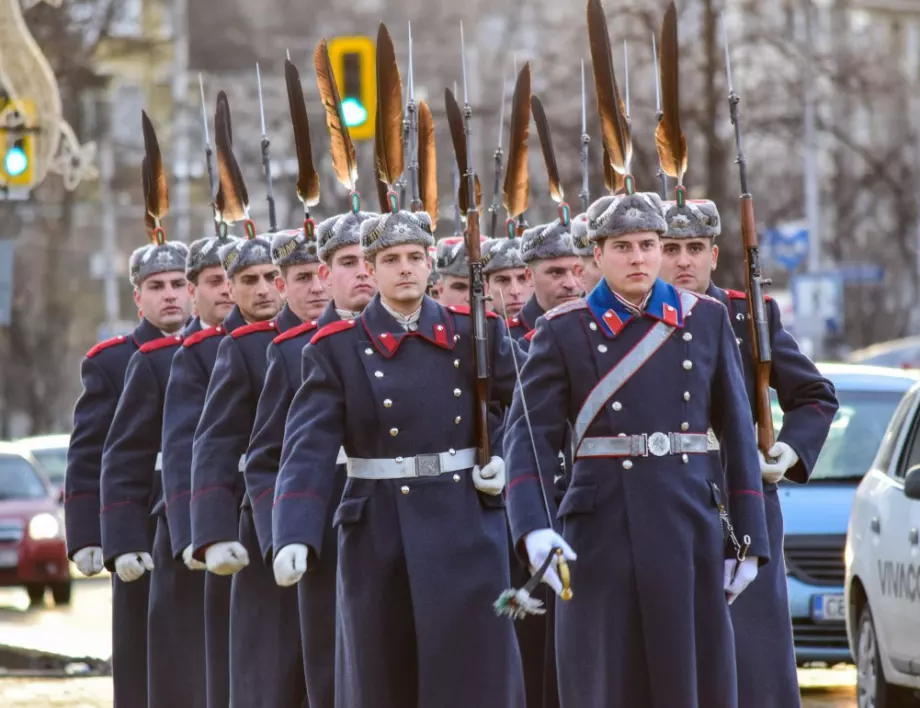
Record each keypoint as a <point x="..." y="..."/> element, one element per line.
<point x="164" y="300"/>
<point x="348" y="279"/>
<point x="304" y="289"/>
<point x="630" y="263"/>
<point x="211" y="296"/>
<point x="590" y="273"/>
<point x="254" y="291"/>
<point x="453" y="290"/>
<point x="556" y="281"/>
<point x="689" y="263"/>
<point x="509" y="290"/>
<point x="401" y="273"/>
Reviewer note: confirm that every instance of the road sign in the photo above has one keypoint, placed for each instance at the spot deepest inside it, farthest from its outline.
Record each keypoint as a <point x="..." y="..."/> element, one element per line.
<point x="861" y="273"/>
<point x="7" y="250"/>
<point x="818" y="297"/>
<point x="788" y="243"/>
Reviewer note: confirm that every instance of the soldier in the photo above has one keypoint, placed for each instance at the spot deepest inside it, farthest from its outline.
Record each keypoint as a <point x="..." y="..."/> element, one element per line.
<point x="156" y="273"/>
<point x="506" y="276"/>
<point x="132" y="500"/>
<point x="552" y="268"/>
<point x="652" y="573"/>
<point x="584" y="249"/>
<point x="351" y="288"/>
<point x="763" y="632"/>
<point x="423" y="545"/>
<point x="452" y="264"/>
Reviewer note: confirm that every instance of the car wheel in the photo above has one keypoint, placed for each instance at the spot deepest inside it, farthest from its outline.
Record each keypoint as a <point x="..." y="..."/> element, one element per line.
<point x="61" y="593"/>
<point x="36" y="593"/>
<point x="872" y="690"/>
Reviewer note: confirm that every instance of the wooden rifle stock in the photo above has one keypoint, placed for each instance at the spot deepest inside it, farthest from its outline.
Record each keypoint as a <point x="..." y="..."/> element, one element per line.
<point x="480" y="336"/>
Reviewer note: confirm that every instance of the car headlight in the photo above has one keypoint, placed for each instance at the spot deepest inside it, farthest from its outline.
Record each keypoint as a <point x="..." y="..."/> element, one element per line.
<point x="43" y="527"/>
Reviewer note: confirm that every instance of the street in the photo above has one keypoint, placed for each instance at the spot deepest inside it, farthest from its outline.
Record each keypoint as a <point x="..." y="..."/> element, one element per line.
<point x="84" y="630"/>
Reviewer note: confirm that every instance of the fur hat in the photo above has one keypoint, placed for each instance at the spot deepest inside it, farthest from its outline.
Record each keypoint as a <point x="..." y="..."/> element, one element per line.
<point x="583" y="244"/>
<point x="244" y="253"/>
<point x="204" y="253"/>
<point x="339" y="231"/>
<point x="453" y="257"/>
<point x="621" y="214"/>
<point x="547" y="241"/>
<point x="401" y="228"/>
<point x="501" y="254"/>
<point x="156" y="258"/>
<point x="697" y="218"/>
<point x="293" y="247"/>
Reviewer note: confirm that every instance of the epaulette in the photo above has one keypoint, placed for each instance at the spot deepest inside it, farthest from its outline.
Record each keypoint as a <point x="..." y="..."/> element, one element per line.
<point x="333" y="328"/>
<point x="295" y="332"/>
<point x="172" y="340"/>
<point x="574" y="305"/>
<point x="530" y="335"/>
<point x="740" y="295"/>
<point x="265" y="326"/>
<point x="108" y="343"/>
<point x="203" y="334"/>
<point x="465" y="310"/>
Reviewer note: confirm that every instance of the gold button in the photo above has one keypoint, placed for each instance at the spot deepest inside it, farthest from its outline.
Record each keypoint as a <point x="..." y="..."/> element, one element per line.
<point x="685" y="426"/>
<point x="387" y="403"/>
<point x="457" y="392"/>
<point x="593" y="326"/>
<point x="601" y="348"/>
<point x="394" y="432"/>
<point x="686" y="395"/>
<point x="378" y="374"/>
<point x="368" y="351"/>
<point x="627" y="464"/>
<point x="404" y="489"/>
<point x="456" y="363"/>
<point x="456" y="477"/>
<point x="687" y="336"/>
<point x="617" y="405"/>
<point x="688" y="364"/>
<point x="457" y="420"/>
<point x="685" y="458"/>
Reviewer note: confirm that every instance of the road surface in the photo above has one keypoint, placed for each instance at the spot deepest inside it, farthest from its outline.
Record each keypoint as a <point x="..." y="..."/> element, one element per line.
<point x="84" y="629"/>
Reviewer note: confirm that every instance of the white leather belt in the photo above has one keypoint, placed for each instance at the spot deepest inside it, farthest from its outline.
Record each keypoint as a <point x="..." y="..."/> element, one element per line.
<point x="713" y="440"/>
<point x="430" y="465"/>
<point x="158" y="465"/>
<point x="342" y="457"/>
<point x="658" y="444"/>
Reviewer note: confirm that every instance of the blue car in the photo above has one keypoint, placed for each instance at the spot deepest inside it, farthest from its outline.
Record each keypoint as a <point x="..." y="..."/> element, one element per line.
<point x="816" y="515"/>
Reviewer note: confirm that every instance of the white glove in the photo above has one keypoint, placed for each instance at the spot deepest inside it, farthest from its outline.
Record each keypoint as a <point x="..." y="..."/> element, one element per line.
<point x="190" y="562"/>
<point x="491" y="478"/>
<point x="747" y="571"/>
<point x="226" y="557"/>
<point x="785" y="457"/>
<point x="132" y="566"/>
<point x="88" y="560"/>
<point x="290" y="564"/>
<point x="539" y="544"/>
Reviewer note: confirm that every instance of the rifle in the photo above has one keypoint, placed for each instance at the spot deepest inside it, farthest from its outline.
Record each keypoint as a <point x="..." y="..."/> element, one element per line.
<point x="412" y="136"/>
<point x="266" y="160"/>
<point x="498" y="155"/>
<point x="585" y="192"/>
<point x="659" y="115"/>
<point x="754" y="280"/>
<point x="208" y="156"/>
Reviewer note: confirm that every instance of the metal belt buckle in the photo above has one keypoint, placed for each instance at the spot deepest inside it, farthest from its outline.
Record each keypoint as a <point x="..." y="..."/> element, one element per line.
<point x="427" y="465"/>
<point x="659" y="444"/>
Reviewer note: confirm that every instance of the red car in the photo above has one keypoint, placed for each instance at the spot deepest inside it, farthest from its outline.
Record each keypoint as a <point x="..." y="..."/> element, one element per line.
<point x="33" y="553"/>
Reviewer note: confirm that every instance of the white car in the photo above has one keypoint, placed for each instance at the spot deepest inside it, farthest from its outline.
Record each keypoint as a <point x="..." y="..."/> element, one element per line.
<point x="882" y="585"/>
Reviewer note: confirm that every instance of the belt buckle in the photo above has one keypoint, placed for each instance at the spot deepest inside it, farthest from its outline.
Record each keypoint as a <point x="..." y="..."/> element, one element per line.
<point x="427" y="465"/>
<point x="659" y="444"/>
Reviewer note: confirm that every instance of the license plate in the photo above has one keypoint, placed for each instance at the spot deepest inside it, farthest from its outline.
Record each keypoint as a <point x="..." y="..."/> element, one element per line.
<point x="828" y="608"/>
<point x="9" y="558"/>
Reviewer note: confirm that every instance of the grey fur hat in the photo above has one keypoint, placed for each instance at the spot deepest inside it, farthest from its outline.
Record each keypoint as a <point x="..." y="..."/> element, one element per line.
<point x="546" y="241"/>
<point x="621" y="214"/>
<point x="697" y="218"/>
<point x="156" y="258"/>
<point x="339" y="231"/>
<point x="583" y="244"/>
<point x="453" y="257"/>
<point x="401" y="228"/>
<point x="244" y="253"/>
<point x="501" y="254"/>
<point x="204" y="253"/>
<point x="293" y="247"/>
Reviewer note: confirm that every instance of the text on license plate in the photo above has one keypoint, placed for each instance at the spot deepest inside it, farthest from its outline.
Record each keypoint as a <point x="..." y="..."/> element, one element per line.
<point x="828" y="608"/>
<point x="9" y="558"/>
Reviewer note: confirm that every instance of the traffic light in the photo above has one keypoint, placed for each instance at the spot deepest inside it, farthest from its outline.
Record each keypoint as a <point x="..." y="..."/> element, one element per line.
<point x="354" y="63"/>
<point x="17" y="144"/>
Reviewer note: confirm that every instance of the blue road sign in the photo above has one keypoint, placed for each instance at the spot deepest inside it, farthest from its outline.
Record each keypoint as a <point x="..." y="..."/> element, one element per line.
<point x="788" y="244"/>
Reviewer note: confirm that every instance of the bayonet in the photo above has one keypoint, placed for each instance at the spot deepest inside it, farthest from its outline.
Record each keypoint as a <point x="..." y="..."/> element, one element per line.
<point x="208" y="156"/>
<point x="266" y="159"/>
<point x="659" y="115"/>
<point x="412" y="119"/>
<point x="626" y="77"/>
<point x="585" y="193"/>
<point x="498" y="155"/>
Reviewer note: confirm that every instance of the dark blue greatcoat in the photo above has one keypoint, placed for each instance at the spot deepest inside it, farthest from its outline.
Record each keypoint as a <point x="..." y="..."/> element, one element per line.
<point x="525" y="321"/>
<point x="103" y="376"/>
<point x="763" y="630"/>
<point x="185" y="394"/>
<point x="262" y="615"/>
<point x="133" y="509"/>
<point x="648" y="624"/>
<point x="421" y="560"/>
<point x="316" y="592"/>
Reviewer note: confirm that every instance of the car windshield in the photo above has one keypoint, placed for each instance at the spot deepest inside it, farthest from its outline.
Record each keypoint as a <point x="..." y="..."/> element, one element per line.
<point x="18" y="479"/>
<point x="855" y="434"/>
<point x="54" y="463"/>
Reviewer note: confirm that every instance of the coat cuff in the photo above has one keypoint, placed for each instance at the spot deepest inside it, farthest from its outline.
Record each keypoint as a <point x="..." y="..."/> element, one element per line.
<point x="262" y="517"/>
<point x="215" y="519"/>
<point x="81" y="521"/>
<point x="124" y="530"/>
<point x="299" y="517"/>
<point x="749" y="518"/>
<point x="178" y="517"/>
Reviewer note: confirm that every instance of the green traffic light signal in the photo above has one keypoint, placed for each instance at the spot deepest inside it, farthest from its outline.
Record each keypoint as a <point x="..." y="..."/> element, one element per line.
<point x="15" y="161"/>
<point x="353" y="112"/>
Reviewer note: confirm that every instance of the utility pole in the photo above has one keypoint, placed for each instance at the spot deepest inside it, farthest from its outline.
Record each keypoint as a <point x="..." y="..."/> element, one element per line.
<point x="181" y="202"/>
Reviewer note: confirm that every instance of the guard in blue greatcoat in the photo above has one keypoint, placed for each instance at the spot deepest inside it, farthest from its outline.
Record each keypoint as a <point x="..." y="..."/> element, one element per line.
<point x="764" y="646"/>
<point x="452" y="264"/>
<point x="590" y="272"/>
<point x="351" y="288"/>
<point x="640" y="370"/>
<point x="423" y="549"/>
<point x="505" y="275"/>
<point x="262" y="615"/>
<point x="132" y="498"/>
<point x="157" y="275"/>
